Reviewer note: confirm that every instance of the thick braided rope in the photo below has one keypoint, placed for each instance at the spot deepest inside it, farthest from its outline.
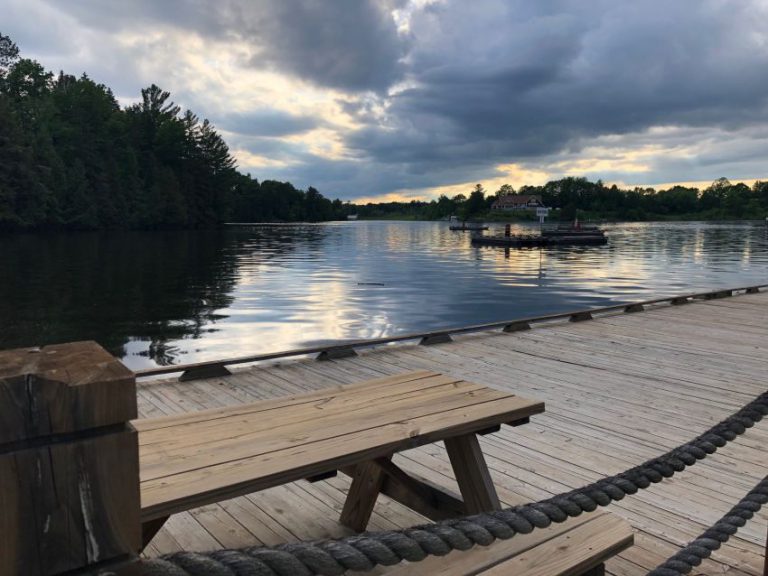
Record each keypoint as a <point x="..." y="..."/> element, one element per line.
<point x="714" y="537"/>
<point x="364" y="552"/>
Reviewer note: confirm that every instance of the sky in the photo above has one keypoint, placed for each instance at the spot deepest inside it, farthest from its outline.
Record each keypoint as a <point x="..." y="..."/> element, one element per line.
<point x="408" y="99"/>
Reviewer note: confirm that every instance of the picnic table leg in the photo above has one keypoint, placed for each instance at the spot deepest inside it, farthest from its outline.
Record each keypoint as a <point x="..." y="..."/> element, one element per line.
<point x="367" y="481"/>
<point x="472" y="474"/>
<point x="150" y="529"/>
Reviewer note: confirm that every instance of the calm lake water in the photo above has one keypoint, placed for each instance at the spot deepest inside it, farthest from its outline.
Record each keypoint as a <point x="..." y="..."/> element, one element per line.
<point x="169" y="298"/>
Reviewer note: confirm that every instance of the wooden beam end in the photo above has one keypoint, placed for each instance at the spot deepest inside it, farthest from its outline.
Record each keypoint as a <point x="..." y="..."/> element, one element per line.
<point x="336" y="353"/>
<point x="436" y="339"/>
<point x="580" y="317"/>
<point x="516" y="327"/>
<point x="213" y="371"/>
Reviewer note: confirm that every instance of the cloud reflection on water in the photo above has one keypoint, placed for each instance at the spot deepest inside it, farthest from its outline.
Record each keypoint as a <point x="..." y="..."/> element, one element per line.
<point x="184" y="297"/>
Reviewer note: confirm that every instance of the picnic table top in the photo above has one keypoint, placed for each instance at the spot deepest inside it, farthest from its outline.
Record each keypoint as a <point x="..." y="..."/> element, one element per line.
<point x="208" y="456"/>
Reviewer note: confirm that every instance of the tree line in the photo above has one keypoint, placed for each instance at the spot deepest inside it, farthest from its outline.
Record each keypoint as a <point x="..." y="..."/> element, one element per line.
<point x="72" y="158"/>
<point x="573" y="196"/>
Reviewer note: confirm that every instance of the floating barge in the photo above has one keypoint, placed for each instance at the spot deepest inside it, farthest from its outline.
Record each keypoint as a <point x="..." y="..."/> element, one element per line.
<point x="538" y="241"/>
<point x="468" y="228"/>
<point x="560" y="236"/>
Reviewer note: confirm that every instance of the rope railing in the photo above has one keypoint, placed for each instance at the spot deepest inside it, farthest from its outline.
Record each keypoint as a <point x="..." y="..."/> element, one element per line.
<point x="715" y="536"/>
<point x="366" y="551"/>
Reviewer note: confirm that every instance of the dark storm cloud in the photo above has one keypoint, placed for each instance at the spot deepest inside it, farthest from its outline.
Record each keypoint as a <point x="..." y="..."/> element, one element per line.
<point x="513" y="81"/>
<point x="208" y="18"/>
<point x="347" y="44"/>
<point x="267" y="122"/>
<point x="470" y="85"/>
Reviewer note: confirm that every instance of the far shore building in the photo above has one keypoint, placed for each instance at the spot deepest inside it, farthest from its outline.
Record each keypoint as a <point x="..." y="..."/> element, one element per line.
<point x="512" y="202"/>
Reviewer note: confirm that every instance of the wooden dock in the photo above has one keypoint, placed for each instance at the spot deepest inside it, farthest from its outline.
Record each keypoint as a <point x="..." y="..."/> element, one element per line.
<point x="619" y="389"/>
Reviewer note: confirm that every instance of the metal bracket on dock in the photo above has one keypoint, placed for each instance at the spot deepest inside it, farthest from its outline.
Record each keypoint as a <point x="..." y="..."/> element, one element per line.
<point x="205" y="372"/>
<point x="580" y="316"/>
<point x="516" y="327"/>
<point x="336" y="353"/>
<point x="436" y="339"/>
<point x="719" y="294"/>
<point x="345" y="348"/>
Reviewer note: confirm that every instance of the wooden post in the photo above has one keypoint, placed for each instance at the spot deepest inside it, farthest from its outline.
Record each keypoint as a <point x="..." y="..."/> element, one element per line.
<point x="69" y="463"/>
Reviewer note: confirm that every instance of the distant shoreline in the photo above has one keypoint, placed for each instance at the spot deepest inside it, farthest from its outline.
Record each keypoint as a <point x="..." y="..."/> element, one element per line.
<point x="555" y="218"/>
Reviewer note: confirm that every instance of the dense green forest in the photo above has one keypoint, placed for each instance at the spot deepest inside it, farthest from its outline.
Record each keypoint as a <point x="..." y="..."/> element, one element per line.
<point x="570" y="196"/>
<point x="72" y="158"/>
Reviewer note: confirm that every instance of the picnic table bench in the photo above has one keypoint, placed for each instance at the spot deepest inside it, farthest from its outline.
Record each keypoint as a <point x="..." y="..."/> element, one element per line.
<point x="195" y="459"/>
<point x="578" y="546"/>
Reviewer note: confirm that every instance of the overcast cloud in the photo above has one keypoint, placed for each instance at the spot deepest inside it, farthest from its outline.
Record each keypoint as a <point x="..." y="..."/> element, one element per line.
<point x="412" y="98"/>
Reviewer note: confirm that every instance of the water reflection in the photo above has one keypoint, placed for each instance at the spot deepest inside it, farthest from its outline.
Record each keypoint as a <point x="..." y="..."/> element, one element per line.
<point x="159" y="298"/>
<point x="156" y="288"/>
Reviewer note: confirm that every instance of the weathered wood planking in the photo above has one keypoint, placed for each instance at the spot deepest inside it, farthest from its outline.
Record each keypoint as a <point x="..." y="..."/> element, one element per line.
<point x="69" y="479"/>
<point x="618" y="389"/>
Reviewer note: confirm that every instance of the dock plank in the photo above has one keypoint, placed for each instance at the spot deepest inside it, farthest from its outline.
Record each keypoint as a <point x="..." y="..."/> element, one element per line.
<point x="619" y="389"/>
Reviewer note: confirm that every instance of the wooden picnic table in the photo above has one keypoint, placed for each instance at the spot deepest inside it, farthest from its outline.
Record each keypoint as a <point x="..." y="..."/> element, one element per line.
<point x="199" y="458"/>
